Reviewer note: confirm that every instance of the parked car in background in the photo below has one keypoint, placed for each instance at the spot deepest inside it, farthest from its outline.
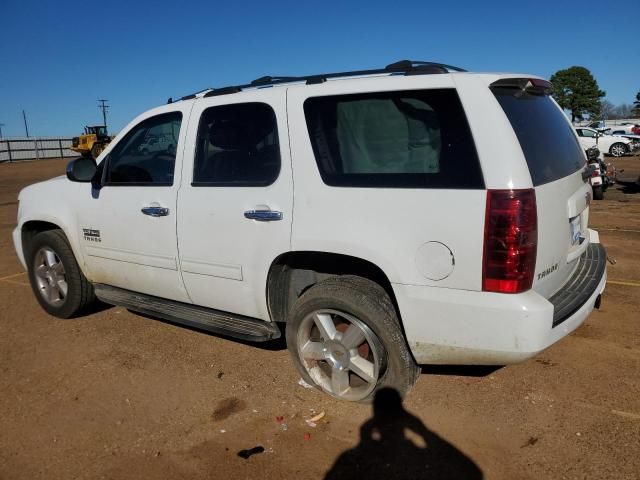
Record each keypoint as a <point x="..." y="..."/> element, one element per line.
<point x="157" y="143"/>
<point x="635" y="139"/>
<point x="623" y="127"/>
<point x="599" y="126"/>
<point x="607" y="144"/>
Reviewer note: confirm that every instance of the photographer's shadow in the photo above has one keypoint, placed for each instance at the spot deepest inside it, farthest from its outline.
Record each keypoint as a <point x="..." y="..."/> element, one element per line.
<point x="386" y="452"/>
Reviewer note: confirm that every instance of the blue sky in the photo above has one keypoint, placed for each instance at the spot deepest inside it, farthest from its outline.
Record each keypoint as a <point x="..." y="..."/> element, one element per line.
<point x="138" y="53"/>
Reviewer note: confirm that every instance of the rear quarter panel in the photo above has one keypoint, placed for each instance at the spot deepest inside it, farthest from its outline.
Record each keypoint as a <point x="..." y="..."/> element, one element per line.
<point x="386" y="226"/>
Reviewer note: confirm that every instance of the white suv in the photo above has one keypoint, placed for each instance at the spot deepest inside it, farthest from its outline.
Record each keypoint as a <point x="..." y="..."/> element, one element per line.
<point x="416" y="214"/>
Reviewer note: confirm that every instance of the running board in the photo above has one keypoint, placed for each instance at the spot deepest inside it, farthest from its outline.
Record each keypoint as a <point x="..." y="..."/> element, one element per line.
<point x="237" y="326"/>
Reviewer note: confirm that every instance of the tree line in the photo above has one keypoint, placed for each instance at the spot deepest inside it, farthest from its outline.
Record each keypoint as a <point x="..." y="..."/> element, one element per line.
<point x="576" y="90"/>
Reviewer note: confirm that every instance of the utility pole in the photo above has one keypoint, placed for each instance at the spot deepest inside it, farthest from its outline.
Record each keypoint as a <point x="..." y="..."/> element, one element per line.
<point x="104" y="107"/>
<point x="1" y="125"/>
<point x="26" y="128"/>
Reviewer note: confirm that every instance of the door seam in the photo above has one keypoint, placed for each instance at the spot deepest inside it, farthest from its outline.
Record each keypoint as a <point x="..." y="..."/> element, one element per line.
<point x="178" y="209"/>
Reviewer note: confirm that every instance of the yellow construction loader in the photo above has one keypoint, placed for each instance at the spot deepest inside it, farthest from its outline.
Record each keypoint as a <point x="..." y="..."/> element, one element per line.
<point x="92" y="141"/>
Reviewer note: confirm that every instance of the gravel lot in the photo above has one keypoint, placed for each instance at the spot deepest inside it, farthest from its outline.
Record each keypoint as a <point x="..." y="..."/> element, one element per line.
<point x="123" y="396"/>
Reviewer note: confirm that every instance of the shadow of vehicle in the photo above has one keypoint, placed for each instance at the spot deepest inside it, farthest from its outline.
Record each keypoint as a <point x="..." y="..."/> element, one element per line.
<point x="96" y="307"/>
<point x="629" y="186"/>
<point x="386" y="452"/>
<point x="460" y="370"/>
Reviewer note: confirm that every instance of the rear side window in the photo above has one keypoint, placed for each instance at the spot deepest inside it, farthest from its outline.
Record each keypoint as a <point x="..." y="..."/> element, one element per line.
<point x="406" y="139"/>
<point x="546" y="137"/>
<point x="237" y="146"/>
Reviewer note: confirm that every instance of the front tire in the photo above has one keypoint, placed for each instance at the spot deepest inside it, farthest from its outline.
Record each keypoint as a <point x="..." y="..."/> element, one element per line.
<point x="345" y="339"/>
<point x="618" y="149"/>
<point x="56" y="279"/>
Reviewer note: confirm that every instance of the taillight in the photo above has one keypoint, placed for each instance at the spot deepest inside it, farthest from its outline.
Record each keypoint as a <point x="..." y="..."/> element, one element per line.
<point x="596" y="172"/>
<point x="510" y="241"/>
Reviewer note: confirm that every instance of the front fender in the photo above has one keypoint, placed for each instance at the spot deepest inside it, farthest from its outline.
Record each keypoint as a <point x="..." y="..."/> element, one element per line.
<point x="51" y="202"/>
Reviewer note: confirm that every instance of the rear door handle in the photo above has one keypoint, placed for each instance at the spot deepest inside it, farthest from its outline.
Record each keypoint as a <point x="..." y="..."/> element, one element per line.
<point x="263" y="215"/>
<point x="155" y="211"/>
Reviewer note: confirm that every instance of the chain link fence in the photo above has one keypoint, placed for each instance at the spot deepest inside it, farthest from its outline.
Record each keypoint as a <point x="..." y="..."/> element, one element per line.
<point x="16" y="149"/>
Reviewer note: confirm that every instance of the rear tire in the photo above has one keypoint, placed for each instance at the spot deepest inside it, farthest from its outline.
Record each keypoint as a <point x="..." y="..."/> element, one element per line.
<point x="56" y="279"/>
<point x="598" y="193"/>
<point x="345" y="339"/>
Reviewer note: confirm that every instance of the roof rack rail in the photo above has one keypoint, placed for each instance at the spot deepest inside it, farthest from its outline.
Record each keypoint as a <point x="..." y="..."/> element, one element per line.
<point x="224" y="91"/>
<point x="421" y="67"/>
<point x="406" y="67"/>
<point x="268" y="80"/>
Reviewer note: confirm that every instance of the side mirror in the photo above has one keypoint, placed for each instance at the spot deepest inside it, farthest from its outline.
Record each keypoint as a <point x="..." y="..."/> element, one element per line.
<point x="81" y="169"/>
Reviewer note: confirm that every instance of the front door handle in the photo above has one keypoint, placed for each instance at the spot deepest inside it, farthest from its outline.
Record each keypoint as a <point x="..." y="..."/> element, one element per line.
<point x="155" y="211"/>
<point x="263" y="215"/>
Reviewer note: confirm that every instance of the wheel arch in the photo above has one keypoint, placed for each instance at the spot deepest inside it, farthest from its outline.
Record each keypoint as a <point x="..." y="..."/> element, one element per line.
<point x="292" y="273"/>
<point x="30" y="228"/>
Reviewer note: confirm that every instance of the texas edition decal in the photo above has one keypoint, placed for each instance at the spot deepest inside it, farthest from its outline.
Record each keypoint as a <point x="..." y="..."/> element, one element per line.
<point x="91" y="235"/>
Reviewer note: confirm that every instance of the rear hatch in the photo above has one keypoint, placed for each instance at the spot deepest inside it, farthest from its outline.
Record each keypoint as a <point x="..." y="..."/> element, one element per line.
<point x="556" y="163"/>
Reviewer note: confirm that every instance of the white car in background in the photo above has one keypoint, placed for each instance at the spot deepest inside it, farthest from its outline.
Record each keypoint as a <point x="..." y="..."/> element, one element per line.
<point x="623" y="128"/>
<point x="634" y="139"/>
<point x="607" y="144"/>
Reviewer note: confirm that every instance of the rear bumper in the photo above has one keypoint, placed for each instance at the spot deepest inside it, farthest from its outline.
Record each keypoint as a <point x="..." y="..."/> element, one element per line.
<point x="581" y="285"/>
<point x="446" y="326"/>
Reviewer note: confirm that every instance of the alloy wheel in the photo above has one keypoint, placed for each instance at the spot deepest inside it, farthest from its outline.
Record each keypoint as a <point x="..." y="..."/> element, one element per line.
<point x="618" y="150"/>
<point x="50" y="277"/>
<point x="341" y="354"/>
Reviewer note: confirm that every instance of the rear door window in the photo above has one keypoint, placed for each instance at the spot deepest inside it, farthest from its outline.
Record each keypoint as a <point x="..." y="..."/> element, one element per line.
<point x="549" y="145"/>
<point x="406" y="139"/>
<point x="237" y="146"/>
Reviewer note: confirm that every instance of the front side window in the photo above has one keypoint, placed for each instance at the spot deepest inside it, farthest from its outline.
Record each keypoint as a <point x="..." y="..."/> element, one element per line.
<point x="147" y="153"/>
<point x="406" y="139"/>
<point x="237" y="145"/>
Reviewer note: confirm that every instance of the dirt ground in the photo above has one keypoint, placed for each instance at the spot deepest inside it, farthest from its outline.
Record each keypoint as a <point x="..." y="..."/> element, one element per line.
<point x="116" y="395"/>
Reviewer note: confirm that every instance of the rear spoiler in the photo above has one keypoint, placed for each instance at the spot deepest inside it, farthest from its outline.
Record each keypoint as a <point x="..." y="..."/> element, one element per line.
<point x="534" y="86"/>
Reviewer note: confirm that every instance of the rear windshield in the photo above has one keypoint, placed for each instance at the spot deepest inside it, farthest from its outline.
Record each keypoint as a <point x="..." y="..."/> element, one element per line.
<point x="546" y="137"/>
<point x="406" y="139"/>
